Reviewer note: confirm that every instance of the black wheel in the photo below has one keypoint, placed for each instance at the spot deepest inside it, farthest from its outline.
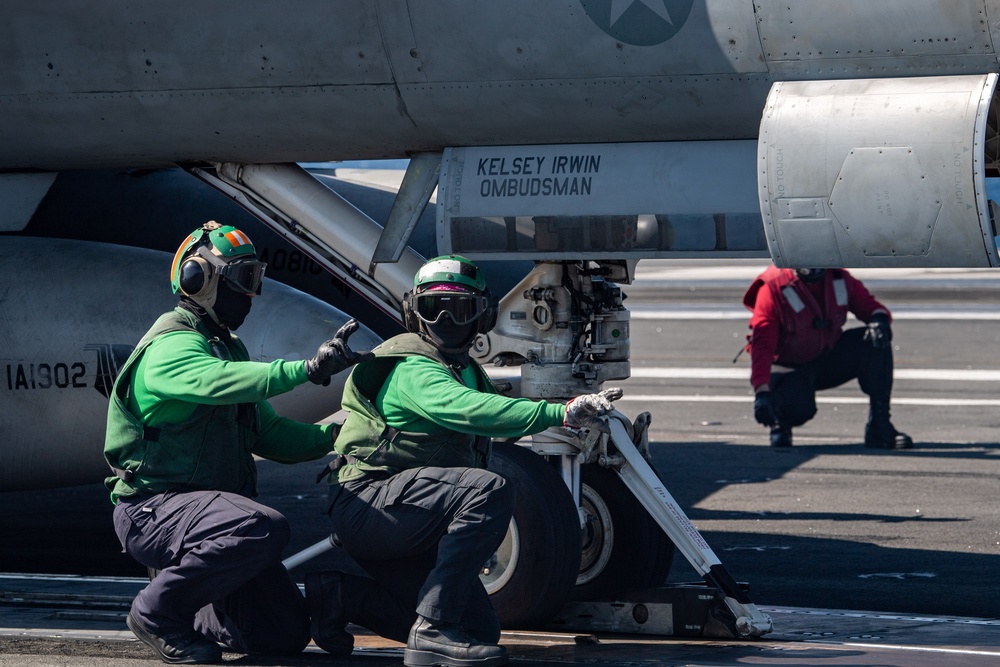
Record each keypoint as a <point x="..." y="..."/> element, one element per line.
<point x="623" y="547"/>
<point x="534" y="570"/>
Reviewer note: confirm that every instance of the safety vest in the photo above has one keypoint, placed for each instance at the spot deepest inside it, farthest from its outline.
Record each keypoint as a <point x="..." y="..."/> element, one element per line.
<point x="807" y="329"/>
<point x="369" y="444"/>
<point x="211" y="450"/>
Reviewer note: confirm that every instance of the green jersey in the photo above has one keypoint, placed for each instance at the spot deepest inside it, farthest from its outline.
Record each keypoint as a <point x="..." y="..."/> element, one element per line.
<point x="409" y="408"/>
<point x="189" y="410"/>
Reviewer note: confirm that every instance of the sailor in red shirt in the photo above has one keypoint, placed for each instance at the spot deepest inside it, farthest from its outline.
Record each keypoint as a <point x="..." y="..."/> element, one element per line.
<point x="797" y="346"/>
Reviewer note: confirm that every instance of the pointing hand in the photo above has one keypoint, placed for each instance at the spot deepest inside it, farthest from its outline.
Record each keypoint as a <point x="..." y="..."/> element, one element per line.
<point x="334" y="355"/>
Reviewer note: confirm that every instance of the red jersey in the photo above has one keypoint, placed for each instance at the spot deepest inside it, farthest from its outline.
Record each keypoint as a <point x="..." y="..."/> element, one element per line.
<point x="795" y="322"/>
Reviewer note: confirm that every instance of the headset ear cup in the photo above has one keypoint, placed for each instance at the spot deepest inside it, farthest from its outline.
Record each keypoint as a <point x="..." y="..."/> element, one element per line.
<point x="488" y="319"/>
<point x="195" y="274"/>
<point x="409" y="317"/>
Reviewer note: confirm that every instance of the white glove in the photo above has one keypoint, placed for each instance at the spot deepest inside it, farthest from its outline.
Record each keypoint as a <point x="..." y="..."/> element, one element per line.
<point x="583" y="411"/>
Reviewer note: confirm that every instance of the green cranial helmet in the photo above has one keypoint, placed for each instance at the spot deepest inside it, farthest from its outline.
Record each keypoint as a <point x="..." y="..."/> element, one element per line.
<point x="451" y="289"/>
<point x="212" y="252"/>
<point x="450" y="269"/>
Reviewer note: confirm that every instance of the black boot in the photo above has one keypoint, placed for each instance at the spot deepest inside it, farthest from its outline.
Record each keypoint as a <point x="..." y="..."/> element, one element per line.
<point x="178" y="648"/>
<point x="431" y="644"/>
<point x="781" y="436"/>
<point x="326" y="612"/>
<point x="879" y="431"/>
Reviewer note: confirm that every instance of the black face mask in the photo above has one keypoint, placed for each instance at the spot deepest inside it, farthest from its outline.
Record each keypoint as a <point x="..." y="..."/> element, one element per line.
<point x="811" y="275"/>
<point x="450" y="337"/>
<point x="231" y="307"/>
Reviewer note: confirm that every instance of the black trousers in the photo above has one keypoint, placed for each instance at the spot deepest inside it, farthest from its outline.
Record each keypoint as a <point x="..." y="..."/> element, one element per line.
<point x="219" y="556"/>
<point x="793" y="391"/>
<point x="423" y="535"/>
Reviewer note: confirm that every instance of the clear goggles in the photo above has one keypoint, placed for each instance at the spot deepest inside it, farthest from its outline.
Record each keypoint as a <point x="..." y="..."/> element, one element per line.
<point x="461" y="307"/>
<point x="243" y="275"/>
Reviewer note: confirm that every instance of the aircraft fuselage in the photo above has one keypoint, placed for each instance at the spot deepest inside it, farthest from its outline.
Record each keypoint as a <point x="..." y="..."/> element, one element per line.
<point x="158" y="84"/>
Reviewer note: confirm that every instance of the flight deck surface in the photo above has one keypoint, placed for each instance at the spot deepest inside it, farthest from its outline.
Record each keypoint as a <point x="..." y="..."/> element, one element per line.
<point x="71" y="621"/>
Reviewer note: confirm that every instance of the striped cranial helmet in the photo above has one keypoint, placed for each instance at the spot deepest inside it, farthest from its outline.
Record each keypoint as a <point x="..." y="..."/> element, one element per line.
<point x="211" y="254"/>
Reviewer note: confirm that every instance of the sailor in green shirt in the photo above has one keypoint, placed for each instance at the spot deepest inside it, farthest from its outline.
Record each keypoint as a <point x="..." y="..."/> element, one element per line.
<point x="188" y="413"/>
<point x="413" y="503"/>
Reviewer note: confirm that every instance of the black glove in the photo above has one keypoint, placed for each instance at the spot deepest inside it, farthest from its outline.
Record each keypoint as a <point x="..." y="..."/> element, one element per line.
<point x="583" y="411"/>
<point x="879" y="333"/>
<point x="762" y="410"/>
<point x="334" y="356"/>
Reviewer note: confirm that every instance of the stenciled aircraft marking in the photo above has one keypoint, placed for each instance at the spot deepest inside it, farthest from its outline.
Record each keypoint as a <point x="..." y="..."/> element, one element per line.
<point x="639" y="22"/>
<point x="110" y="359"/>
<point x="22" y="375"/>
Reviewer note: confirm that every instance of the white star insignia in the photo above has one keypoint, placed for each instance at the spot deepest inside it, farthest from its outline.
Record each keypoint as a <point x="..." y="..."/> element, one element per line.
<point x="619" y="7"/>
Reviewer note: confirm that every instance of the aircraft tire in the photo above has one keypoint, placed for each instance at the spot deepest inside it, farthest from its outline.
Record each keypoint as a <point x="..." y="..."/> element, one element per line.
<point x="535" y="569"/>
<point x="623" y="546"/>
